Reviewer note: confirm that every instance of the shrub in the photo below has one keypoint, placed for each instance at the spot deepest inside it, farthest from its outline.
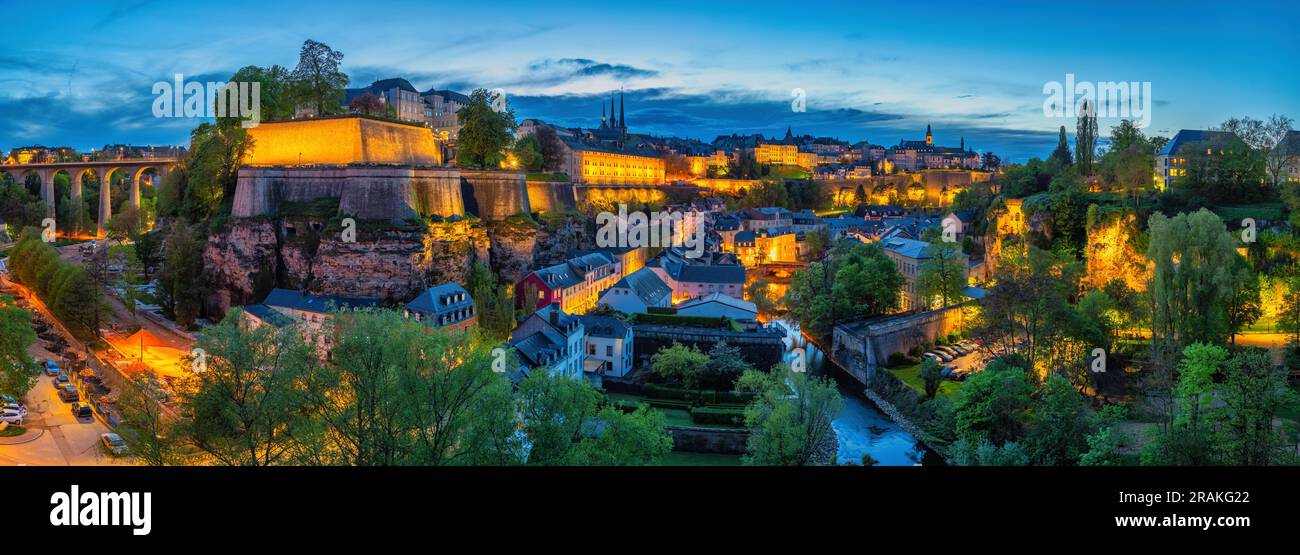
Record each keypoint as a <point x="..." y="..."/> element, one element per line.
<point x="716" y="415"/>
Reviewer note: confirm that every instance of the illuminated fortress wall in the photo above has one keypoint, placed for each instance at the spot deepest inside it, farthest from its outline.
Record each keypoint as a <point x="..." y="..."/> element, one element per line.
<point x="378" y="170"/>
<point x="345" y="140"/>
<point x="551" y="196"/>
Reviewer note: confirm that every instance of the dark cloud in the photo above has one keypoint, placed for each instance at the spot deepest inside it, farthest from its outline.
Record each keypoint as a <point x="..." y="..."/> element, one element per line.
<point x="552" y="71"/>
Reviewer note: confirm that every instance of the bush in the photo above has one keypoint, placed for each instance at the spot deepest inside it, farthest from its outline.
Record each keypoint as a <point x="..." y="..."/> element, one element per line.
<point x="696" y="396"/>
<point x="900" y="359"/>
<point x="718" y="415"/>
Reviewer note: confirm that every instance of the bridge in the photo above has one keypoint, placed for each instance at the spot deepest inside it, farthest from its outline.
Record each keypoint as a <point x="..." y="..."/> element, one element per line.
<point x="135" y="169"/>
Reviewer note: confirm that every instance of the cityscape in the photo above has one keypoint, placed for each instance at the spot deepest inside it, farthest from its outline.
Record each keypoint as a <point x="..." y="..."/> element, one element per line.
<point x="292" y="259"/>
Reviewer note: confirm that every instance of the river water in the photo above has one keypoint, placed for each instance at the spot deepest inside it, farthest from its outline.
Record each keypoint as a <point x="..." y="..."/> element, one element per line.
<point x="862" y="428"/>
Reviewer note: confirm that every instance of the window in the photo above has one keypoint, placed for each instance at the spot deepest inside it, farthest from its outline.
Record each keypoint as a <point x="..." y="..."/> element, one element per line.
<point x="609" y="350"/>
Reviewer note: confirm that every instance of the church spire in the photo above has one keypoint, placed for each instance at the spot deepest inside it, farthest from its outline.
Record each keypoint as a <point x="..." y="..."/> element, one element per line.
<point x="622" y="118"/>
<point x="929" y="137"/>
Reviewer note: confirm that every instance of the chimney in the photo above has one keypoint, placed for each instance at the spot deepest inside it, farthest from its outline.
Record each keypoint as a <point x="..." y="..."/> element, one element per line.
<point x="555" y="317"/>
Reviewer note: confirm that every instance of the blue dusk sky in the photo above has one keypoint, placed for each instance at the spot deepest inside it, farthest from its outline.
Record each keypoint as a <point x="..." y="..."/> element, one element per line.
<point x="80" y="74"/>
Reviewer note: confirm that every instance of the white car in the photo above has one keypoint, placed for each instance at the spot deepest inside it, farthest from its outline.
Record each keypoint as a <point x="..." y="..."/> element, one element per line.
<point x="15" y="408"/>
<point x="12" y="417"/>
<point x="113" y="442"/>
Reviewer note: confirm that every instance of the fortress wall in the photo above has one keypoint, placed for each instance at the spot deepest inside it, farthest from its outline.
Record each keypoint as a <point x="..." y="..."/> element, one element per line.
<point x="551" y="196"/>
<point x="341" y="141"/>
<point x="393" y="193"/>
<point x="497" y="195"/>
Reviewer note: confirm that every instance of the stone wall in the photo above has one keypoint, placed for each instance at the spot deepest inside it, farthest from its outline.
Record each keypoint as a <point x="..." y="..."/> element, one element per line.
<point x="863" y="347"/>
<point x="763" y="348"/>
<point x="551" y="196"/>
<point x="239" y="265"/>
<point x="494" y="195"/>
<point x="388" y="193"/>
<point x="708" y="440"/>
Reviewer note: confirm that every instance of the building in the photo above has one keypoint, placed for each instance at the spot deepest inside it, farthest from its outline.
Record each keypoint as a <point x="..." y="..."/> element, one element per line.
<point x="768" y="245"/>
<point x="312" y="312"/>
<point x="609" y="346"/>
<point x="700" y="165"/>
<point x="448" y="306"/>
<point x="718" y="305"/>
<point x="909" y="256"/>
<point x="758" y="219"/>
<point x="922" y="155"/>
<point x="591" y="163"/>
<point x="574" y="284"/>
<point x="637" y="292"/>
<point x="1171" y="160"/>
<point x="688" y="281"/>
<point x="396" y="93"/>
<point x="1286" y="157"/>
<point x="440" y="108"/>
<point x="777" y="153"/>
<point x="551" y="339"/>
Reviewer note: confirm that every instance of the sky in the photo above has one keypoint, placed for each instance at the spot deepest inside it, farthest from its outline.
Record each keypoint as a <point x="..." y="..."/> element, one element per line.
<point x="82" y="74"/>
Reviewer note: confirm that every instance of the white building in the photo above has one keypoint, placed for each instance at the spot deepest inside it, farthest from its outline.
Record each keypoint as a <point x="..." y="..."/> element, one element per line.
<point x="549" y="338"/>
<point x="637" y="292"/>
<point x="718" y="305"/>
<point x="609" y="346"/>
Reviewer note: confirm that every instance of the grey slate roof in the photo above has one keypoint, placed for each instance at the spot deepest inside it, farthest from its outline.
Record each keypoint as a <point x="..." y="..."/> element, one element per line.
<point x="298" y="300"/>
<point x="1190" y="136"/>
<point x="644" y="283"/>
<point x="705" y="273"/>
<point x="605" y="326"/>
<point x="910" y="248"/>
<point x="268" y="315"/>
<point x="441" y="299"/>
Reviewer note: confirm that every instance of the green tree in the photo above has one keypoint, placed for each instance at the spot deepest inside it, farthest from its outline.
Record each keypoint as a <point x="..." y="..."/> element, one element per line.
<point x="992" y="404"/>
<point x="1243" y="306"/>
<point x="636" y="438"/>
<point x="943" y="276"/>
<point x="932" y="375"/>
<point x="681" y="364"/>
<point x="1061" y="157"/>
<point x="1192" y="282"/>
<point x="1254" y="392"/>
<point x="1058" y="424"/>
<point x="485" y="133"/>
<point x="180" y="280"/>
<point x="493" y="302"/>
<point x="1201" y="361"/>
<point x="564" y="426"/>
<point x="528" y="151"/>
<point x="317" y="81"/>
<point x="790" y="419"/>
<point x="149" y="432"/>
<point x="18" y="372"/>
<point x="724" y="366"/>
<point x="246" y="405"/>
<point x="1085" y="138"/>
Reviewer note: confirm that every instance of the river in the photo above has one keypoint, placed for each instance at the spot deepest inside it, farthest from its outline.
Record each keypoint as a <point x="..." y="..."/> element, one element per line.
<point x="861" y="427"/>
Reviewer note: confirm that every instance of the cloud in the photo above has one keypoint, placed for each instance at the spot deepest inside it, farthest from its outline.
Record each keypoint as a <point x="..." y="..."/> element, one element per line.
<point x="552" y="71"/>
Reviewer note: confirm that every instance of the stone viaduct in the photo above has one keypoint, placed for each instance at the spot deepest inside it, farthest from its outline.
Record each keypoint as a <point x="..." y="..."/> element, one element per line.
<point x="103" y="170"/>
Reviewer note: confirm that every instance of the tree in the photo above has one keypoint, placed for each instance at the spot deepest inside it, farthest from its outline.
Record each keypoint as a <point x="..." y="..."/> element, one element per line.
<point x="1127" y="164"/>
<point x="317" y="81"/>
<point x="724" y="367"/>
<point x="1192" y="282"/>
<point x="1106" y="442"/>
<point x="942" y="277"/>
<point x="552" y="148"/>
<point x="564" y="426"/>
<point x="1201" y="361"/>
<point x="493" y="302"/>
<point x="1085" y="138"/>
<point x="180" y="280"/>
<point x="18" y="372"/>
<point x="932" y="375"/>
<point x="1058" y="425"/>
<point x="394" y="392"/>
<point x="149" y="432"/>
<point x="858" y="282"/>
<point x="528" y="151"/>
<point x="681" y="364"/>
<point x="790" y="419"/>
<point x="1061" y="157"/>
<point x="1254" y="391"/>
<point x="247" y="408"/>
<point x="276" y="89"/>
<point x="1243" y="303"/>
<point x="992" y="404"/>
<point x="485" y="133"/>
<point x="816" y="243"/>
<point x="368" y="104"/>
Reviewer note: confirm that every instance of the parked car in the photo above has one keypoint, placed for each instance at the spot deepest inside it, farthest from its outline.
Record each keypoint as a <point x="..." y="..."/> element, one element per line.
<point x="61" y="380"/>
<point x="69" y="393"/>
<point x="939" y="356"/>
<point x="10" y="400"/>
<point x="12" y="417"/>
<point x="16" y="408"/>
<point x="954" y="353"/>
<point x="51" y="367"/>
<point x="113" y="442"/>
<point x="82" y="410"/>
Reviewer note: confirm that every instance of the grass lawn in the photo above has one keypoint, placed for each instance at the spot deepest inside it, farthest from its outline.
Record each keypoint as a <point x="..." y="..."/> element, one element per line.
<point x="672" y="416"/>
<point x="683" y="458"/>
<point x="911" y="375"/>
<point x="12" y="431"/>
<point x="1261" y="211"/>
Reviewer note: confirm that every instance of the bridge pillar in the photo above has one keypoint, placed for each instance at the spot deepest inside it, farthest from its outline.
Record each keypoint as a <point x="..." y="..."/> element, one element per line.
<point x="105" y="204"/>
<point x="74" y="182"/>
<point x="47" y="190"/>
<point x="133" y="196"/>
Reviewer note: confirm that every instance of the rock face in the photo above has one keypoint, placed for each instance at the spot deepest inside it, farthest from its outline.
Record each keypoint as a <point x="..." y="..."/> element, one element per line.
<point x="240" y="265"/>
<point x="243" y="263"/>
<point x="513" y="242"/>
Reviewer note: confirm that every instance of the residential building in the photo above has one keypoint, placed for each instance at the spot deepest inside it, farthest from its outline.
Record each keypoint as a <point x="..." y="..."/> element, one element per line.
<point x="637" y="292"/>
<point x="694" y="280"/>
<point x="1171" y="160"/>
<point x="609" y="346"/>
<point x="551" y="339"/>
<point x="448" y="306"/>
<point x="1286" y="157"/>
<point x="312" y="312"/>
<point x="909" y="255"/>
<point x="719" y="305"/>
<point x="397" y="93"/>
<point x="574" y="284"/>
<point x="921" y="155"/>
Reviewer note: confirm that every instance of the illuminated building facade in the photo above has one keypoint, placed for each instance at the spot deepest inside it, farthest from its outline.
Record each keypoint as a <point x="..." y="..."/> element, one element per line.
<point x="1171" y="160"/>
<point x="920" y="155"/>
